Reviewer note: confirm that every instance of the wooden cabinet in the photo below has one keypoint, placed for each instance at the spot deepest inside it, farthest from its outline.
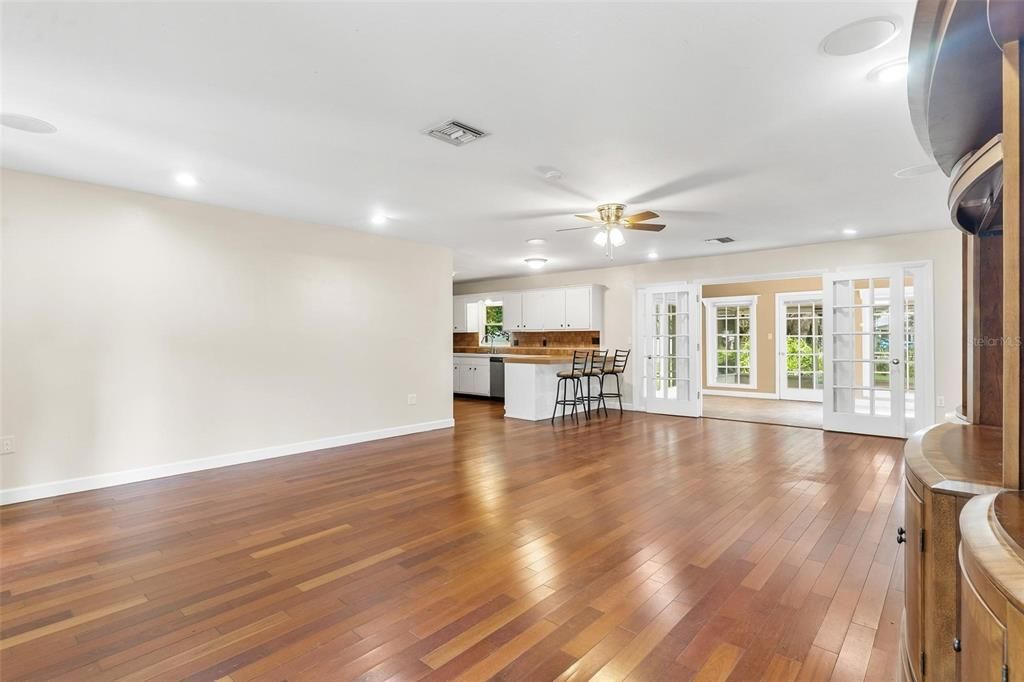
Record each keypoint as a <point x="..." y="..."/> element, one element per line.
<point x="982" y="637"/>
<point x="991" y="628"/>
<point x="945" y="466"/>
<point x="913" y="564"/>
<point x="472" y="375"/>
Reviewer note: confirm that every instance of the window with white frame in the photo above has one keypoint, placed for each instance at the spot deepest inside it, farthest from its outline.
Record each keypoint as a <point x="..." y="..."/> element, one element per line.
<point x="732" y="341"/>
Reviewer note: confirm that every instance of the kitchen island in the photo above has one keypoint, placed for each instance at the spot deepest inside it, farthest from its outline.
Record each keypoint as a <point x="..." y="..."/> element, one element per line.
<point x="530" y="382"/>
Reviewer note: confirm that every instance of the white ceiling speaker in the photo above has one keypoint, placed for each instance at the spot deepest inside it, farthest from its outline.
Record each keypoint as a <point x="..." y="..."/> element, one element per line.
<point x="860" y="36"/>
<point x="27" y="124"/>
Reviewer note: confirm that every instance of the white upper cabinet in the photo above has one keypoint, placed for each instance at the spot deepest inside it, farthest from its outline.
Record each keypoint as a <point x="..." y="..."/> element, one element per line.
<point x="512" y="311"/>
<point x="459" y="314"/>
<point x="536" y="310"/>
<point x="465" y="314"/>
<point x="577" y="308"/>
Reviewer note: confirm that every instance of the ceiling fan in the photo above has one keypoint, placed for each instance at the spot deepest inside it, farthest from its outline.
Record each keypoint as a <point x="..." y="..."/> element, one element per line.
<point x="611" y="222"/>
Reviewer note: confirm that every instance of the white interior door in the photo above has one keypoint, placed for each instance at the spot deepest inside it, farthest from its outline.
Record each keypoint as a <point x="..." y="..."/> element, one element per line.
<point x="864" y="351"/>
<point x="669" y="327"/>
<point x="798" y="332"/>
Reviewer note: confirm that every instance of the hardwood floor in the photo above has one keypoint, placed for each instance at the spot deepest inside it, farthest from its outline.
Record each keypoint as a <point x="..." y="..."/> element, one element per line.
<point x="782" y="412"/>
<point x="634" y="547"/>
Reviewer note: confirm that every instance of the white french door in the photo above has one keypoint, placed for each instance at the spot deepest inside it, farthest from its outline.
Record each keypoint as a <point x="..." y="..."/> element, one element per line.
<point x="798" y="332"/>
<point x="865" y="351"/>
<point x="669" y="329"/>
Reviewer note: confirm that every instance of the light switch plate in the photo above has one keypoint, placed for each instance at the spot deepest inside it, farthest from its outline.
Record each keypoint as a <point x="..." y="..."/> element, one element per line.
<point x="411" y="399"/>
<point x="6" y="445"/>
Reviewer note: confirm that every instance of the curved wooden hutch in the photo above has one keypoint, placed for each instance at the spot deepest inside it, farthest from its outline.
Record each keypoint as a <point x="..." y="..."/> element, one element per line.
<point x="964" y="511"/>
<point x="991" y="632"/>
<point x="945" y="466"/>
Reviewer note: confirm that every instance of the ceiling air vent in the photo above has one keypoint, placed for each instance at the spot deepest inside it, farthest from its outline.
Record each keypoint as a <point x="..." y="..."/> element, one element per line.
<point x="720" y="240"/>
<point x="456" y="133"/>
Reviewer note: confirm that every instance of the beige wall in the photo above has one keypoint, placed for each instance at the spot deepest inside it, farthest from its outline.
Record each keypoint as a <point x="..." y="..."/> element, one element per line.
<point x="942" y="247"/>
<point x="765" y="290"/>
<point x="140" y="331"/>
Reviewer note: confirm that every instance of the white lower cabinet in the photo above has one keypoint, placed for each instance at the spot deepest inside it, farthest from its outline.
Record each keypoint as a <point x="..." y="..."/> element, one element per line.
<point x="472" y="376"/>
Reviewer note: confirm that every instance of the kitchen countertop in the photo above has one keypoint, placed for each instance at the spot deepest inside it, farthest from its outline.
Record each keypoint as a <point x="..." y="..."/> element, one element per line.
<point x="521" y="358"/>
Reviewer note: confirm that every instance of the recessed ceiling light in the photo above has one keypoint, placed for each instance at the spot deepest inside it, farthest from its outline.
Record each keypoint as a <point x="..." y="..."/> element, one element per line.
<point x="535" y="242"/>
<point x="27" y="124"/>
<point x="652" y="256"/>
<point x="860" y="36"/>
<point x="379" y="219"/>
<point x="550" y="173"/>
<point x="889" y="72"/>
<point x="536" y="263"/>
<point x="915" y="171"/>
<point x="849" y="230"/>
<point x="186" y="180"/>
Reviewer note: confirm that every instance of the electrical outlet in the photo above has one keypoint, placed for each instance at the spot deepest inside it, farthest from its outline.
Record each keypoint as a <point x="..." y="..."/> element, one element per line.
<point x="411" y="399"/>
<point x="6" y="445"/>
<point x="940" y="401"/>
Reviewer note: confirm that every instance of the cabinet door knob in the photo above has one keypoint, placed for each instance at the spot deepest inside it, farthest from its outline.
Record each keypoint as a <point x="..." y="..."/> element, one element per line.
<point x="956" y="644"/>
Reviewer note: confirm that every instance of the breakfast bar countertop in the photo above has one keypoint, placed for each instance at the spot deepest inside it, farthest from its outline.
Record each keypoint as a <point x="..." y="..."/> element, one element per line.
<point x="538" y="359"/>
<point x="521" y="357"/>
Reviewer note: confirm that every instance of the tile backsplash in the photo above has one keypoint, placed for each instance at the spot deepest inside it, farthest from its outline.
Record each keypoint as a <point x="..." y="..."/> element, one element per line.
<point x="543" y="343"/>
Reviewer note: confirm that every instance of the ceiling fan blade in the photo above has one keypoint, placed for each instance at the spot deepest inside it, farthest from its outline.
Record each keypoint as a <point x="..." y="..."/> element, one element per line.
<point x="531" y="214"/>
<point x="687" y="183"/>
<point x="688" y="215"/>
<point x="585" y="227"/>
<point x="640" y="217"/>
<point x="591" y="218"/>
<point x="646" y="227"/>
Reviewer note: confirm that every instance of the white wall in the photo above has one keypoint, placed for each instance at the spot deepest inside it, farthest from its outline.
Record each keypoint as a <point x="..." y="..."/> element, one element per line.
<point x="140" y="331"/>
<point x="942" y="247"/>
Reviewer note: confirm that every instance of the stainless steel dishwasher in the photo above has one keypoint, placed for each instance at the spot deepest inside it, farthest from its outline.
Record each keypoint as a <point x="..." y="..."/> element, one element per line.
<point x="497" y="377"/>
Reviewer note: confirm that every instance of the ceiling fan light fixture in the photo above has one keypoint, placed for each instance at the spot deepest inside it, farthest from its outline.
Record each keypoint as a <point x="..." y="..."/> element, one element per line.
<point x="616" y="236"/>
<point x="601" y="238"/>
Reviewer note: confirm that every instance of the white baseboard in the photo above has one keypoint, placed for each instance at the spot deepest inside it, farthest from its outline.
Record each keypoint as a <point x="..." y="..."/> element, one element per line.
<point x="74" y="485"/>
<point x="741" y="394"/>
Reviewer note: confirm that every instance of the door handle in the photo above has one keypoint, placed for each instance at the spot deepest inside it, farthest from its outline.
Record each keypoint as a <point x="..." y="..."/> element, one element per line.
<point x="895" y="361"/>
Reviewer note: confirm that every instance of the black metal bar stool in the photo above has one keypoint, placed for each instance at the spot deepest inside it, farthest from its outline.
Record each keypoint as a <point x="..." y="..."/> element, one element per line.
<point x="598" y="359"/>
<point x="617" y="369"/>
<point x="572" y="376"/>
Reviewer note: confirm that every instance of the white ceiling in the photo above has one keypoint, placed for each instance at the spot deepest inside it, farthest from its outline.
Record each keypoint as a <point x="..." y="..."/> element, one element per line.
<point x="724" y="117"/>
